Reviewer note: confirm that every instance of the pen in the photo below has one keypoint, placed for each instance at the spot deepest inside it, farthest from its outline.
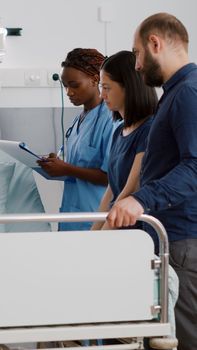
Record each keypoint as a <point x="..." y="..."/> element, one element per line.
<point x="60" y="151"/>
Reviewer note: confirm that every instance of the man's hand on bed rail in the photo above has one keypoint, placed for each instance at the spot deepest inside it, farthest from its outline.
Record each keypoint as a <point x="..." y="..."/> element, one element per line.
<point x="125" y="213"/>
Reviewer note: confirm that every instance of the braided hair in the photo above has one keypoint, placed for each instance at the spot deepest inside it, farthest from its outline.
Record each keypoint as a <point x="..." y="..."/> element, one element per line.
<point x="86" y="60"/>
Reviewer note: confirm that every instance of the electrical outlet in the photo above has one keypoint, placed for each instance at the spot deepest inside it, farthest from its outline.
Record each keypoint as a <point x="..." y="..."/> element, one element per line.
<point x="51" y="82"/>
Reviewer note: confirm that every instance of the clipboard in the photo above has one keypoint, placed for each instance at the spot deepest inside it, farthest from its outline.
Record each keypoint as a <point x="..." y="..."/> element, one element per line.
<point x="21" y="152"/>
<point x="23" y="146"/>
<point x="17" y="150"/>
<point x="41" y="171"/>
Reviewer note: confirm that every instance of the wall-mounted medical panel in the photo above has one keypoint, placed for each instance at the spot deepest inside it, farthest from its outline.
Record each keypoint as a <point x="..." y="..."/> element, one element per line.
<point x="29" y="77"/>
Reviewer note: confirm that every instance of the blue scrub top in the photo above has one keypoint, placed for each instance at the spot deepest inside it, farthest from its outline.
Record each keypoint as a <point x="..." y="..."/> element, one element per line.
<point x="87" y="146"/>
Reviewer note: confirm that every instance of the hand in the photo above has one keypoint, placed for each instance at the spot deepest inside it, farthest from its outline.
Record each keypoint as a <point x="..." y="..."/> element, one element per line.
<point x="124" y="213"/>
<point x="52" y="155"/>
<point x="54" y="166"/>
<point x="106" y="226"/>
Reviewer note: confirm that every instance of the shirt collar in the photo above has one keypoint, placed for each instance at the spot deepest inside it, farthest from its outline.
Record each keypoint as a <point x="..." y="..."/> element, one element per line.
<point x="179" y="75"/>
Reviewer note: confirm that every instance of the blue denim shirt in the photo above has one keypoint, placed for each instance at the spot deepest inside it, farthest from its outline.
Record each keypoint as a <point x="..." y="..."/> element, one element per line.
<point x="169" y="171"/>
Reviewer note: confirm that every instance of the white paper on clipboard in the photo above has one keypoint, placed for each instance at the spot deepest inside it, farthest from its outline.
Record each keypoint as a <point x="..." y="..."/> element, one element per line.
<point x="28" y="158"/>
<point x="13" y="149"/>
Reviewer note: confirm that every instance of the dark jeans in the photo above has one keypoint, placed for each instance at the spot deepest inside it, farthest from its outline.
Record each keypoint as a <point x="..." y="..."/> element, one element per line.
<point x="183" y="258"/>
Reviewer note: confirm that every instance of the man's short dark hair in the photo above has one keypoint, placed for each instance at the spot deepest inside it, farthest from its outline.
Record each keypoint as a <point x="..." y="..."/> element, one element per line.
<point x="165" y="25"/>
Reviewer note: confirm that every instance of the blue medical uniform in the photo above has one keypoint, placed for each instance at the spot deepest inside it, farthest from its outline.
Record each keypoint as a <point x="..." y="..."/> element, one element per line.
<point x="87" y="146"/>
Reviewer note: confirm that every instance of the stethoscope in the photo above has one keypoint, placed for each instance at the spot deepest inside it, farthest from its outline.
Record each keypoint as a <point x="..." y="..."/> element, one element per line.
<point x="77" y="119"/>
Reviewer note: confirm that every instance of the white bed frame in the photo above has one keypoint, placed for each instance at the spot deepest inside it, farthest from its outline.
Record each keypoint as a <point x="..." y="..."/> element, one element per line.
<point x="58" y="286"/>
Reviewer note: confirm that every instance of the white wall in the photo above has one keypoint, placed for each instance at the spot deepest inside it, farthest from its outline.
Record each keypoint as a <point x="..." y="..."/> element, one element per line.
<point x="52" y="28"/>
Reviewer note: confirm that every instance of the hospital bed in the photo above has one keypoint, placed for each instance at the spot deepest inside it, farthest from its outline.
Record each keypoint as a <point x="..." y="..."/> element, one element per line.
<point x="64" y="286"/>
<point x="17" y="181"/>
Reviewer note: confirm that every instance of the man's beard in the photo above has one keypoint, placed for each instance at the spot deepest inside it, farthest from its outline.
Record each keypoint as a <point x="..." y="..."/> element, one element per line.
<point x="152" y="71"/>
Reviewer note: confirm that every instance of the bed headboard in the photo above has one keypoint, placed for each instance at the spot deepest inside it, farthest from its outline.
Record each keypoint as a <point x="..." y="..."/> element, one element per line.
<point x="75" y="277"/>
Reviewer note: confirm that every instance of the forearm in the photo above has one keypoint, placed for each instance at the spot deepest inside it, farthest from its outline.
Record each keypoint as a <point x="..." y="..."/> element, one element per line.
<point x="132" y="184"/>
<point x="128" y="190"/>
<point x="170" y="190"/>
<point x="96" y="176"/>
<point x="57" y="167"/>
<point x="104" y="206"/>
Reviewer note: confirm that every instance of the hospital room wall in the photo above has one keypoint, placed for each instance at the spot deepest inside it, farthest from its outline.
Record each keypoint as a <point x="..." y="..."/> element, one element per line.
<point x="49" y="30"/>
<point x="30" y="101"/>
